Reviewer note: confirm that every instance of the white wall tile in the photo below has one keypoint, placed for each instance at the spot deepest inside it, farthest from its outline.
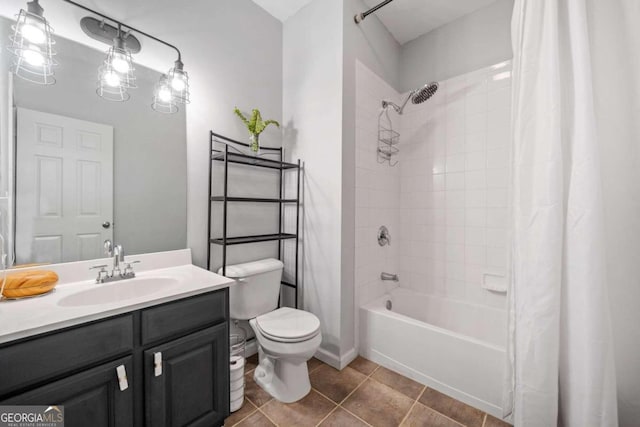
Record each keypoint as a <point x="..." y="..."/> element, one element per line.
<point x="449" y="191"/>
<point x="475" y="160"/>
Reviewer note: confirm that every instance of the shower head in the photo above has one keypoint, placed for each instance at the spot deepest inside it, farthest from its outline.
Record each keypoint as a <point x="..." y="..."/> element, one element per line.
<point x="417" y="96"/>
<point x="424" y="93"/>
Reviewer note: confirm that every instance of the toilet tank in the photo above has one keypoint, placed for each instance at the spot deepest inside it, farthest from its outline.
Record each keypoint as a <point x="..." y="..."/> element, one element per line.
<point x="257" y="288"/>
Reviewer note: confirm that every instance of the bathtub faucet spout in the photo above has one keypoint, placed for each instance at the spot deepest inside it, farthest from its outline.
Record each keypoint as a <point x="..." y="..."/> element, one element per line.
<point x="389" y="276"/>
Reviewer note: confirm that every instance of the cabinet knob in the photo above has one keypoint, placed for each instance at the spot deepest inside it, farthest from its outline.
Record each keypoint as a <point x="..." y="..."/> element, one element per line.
<point x="157" y="363"/>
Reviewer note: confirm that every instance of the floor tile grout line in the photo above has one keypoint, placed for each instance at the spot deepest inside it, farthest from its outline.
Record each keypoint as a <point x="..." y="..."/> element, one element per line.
<point x="435" y="410"/>
<point x="316" y="368"/>
<point x="352" y="391"/>
<point x="358" y="386"/>
<point x="242" y="419"/>
<point x="351" y="413"/>
<point x="268" y="417"/>
<point x="328" y="415"/>
<point x="412" y="405"/>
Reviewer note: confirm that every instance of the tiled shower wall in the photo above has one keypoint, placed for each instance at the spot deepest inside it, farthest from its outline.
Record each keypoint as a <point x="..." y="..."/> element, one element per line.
<point x="377" y="191"/>
<point x="445" y="203"/>
<point x="454" y="195"/>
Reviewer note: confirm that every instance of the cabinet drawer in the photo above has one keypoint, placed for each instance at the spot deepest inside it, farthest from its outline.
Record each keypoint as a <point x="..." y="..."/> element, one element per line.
<point x="181" y="317"/>
<point x="30" y="362"/>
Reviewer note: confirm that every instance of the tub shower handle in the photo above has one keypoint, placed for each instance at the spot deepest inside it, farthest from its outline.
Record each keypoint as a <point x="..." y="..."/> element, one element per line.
<point x="389" y="276"/>
<point x="384" y="238"/>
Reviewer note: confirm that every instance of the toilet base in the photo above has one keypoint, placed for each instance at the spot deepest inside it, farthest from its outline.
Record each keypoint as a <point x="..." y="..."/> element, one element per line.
<point x="285" y="380"/>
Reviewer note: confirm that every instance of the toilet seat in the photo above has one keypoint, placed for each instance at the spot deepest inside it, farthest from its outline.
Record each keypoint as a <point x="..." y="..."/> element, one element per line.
<point x="288" y="325"/>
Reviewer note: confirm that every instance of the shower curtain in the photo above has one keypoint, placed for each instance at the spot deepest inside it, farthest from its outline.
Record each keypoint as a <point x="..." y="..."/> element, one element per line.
<point x="561" y="342"/>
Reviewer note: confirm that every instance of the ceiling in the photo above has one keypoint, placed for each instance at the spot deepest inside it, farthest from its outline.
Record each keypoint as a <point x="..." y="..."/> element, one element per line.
<point x="282" y="9"/>
<point x="409" y="19"/>
<point x="405" y="19"/>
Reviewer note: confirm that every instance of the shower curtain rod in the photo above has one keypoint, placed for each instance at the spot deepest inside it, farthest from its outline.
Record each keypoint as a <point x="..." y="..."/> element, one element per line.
<point x="359" y="17"/>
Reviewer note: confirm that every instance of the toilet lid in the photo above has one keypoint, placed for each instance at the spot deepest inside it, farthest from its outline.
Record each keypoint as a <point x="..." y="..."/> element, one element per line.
<point x="288" y="325"/>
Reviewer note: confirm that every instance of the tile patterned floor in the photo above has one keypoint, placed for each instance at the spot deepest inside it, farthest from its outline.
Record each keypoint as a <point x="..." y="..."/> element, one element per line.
<point x="362" y="394"/>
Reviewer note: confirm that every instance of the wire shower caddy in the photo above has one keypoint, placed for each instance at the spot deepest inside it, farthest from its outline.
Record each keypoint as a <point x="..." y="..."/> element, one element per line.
<point x="388" y="139"/>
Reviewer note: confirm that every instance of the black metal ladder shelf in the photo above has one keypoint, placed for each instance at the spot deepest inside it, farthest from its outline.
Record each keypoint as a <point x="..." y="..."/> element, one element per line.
<point x="230" y="157"/>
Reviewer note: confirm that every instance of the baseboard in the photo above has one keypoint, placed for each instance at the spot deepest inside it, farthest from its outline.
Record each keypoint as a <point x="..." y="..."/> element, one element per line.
<point x="325" y="356"/>
<point x="334" y="360"/>
<point x="348" y="358"/>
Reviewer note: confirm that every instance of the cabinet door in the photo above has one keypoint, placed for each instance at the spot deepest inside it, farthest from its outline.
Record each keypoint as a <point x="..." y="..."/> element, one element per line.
<point x="90" y="398"/>
<point x="193" y="387"/>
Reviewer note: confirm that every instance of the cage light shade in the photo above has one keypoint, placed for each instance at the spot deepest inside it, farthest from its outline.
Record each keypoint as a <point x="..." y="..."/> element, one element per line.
<point x="32" y="46"/>
<point x="111" y="85"/>
<point x="116" y="73"/>
<point x="179" y="83"/>
<point x="163" y="97"/>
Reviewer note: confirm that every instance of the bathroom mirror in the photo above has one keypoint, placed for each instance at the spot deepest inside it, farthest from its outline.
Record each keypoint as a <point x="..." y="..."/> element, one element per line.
<point x="78" y="169"/>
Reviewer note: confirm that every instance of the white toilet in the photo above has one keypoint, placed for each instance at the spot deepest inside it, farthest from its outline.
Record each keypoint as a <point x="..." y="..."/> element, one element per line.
<point x="287" y="338"/>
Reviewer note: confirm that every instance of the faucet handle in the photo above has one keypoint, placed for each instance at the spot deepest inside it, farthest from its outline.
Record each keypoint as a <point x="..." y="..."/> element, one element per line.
<point x="102" y="274"/>
<point x="128" y="269"/>
<point x="102" y="266"/>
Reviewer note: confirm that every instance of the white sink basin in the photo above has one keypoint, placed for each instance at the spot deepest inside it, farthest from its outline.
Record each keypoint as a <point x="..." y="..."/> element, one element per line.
<point x="118" y="291"/>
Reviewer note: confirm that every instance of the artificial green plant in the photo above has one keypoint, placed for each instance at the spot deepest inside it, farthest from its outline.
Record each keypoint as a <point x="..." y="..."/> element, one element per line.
<point x="255" y="125"/>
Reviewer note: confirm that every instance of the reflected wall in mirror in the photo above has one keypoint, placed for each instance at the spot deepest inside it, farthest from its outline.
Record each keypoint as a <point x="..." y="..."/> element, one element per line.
<point x="78" y="169"/>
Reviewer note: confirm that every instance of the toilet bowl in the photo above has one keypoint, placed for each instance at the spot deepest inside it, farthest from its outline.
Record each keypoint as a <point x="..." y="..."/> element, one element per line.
<point x="287" y="337"/>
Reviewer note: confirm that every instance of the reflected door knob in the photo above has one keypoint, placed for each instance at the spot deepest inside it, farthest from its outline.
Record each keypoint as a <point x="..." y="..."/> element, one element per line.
<point x="106" y="224"/>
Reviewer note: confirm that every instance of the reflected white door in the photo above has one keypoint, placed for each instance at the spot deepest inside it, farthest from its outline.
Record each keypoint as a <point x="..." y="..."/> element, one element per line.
<point x="64" y="188"/>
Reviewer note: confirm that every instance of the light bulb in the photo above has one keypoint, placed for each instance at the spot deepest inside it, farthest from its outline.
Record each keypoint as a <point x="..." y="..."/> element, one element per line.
<point x="164" y="94"/>
<point x="119" y="63"/>
<point x="177" y="83"/>
<point x="111" y="78"/>
<point x="33" y="33"/>
<point x="33" y="56"/>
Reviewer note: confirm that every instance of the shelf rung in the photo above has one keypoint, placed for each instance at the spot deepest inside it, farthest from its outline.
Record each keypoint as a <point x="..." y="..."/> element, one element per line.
<point x="290" y="285"/>
<point x="252" y="199"/>
<point x="253" y="161"/>
<point x="253" y="239"/>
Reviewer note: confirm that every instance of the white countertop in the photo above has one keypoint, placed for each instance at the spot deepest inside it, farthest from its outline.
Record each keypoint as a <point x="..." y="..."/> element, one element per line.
<point x="32" y="316"/>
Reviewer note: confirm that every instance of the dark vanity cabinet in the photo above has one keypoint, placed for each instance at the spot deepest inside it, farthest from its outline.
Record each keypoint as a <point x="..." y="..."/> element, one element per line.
<point x="165" y="365"/>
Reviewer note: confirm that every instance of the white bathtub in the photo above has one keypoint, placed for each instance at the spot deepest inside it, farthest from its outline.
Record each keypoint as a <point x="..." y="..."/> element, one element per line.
<point x="451" y="346"/>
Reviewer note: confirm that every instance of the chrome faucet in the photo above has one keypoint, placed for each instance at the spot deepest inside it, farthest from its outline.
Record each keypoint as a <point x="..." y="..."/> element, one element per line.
<point x="118" y="257"/>
<point x="117" y="252"/>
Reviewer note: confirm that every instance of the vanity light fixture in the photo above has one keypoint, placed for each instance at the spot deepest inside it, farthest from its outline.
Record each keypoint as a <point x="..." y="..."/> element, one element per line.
<point x="116" y="73"/>
<point x="31" y="45"/>
<point x="163" y="98"/>
<point x="179" y="80"/>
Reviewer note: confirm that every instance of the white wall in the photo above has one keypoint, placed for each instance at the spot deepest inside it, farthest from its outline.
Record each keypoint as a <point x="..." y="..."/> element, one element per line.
<point x="372" y="44"/>
<point x="312" y="113"/>
<point x="377" y="190"/>
<point x="233" y="51"/>
<point x="472" y="42"/>
<point x="454" y="181"/>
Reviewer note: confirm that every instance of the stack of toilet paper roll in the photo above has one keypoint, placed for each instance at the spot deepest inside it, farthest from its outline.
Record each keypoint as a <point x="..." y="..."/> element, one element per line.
<point x="236" y="377"/>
